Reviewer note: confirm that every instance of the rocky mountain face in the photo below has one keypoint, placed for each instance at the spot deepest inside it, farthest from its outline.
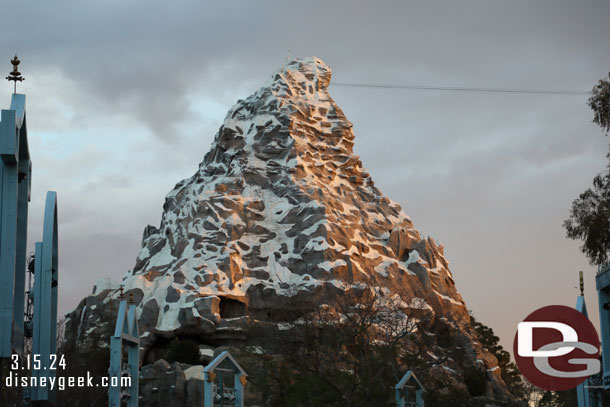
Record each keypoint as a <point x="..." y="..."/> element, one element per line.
<point x="280" y="216"/>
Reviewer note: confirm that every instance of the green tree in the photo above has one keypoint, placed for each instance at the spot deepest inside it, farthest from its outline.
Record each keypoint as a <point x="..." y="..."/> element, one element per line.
<point x="90" y="356"/>
<point x="589" y="219"/>
<point x="559" y="399"/>
<point x="510" y="372"/>
<point x="600" y="103"/>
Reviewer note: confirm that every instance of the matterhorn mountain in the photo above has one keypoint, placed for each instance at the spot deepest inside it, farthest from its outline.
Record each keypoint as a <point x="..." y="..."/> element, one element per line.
<point x="281" y="215"/>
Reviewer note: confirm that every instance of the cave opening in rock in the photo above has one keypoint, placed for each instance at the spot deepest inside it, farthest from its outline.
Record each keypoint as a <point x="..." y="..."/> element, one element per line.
<point x="230" y="308"/>
<point x="180" y="348"/>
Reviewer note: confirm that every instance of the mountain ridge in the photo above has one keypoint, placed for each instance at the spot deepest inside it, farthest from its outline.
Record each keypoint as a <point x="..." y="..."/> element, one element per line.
<point x="281" y="215"/>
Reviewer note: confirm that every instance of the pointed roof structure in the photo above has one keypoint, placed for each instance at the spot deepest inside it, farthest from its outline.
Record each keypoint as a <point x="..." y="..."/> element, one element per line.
<point x="410" y="378"/>
<point x="220" y="358"/>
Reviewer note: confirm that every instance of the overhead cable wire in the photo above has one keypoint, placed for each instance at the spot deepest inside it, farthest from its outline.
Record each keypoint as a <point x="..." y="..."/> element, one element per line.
<point x="462" y="88"/>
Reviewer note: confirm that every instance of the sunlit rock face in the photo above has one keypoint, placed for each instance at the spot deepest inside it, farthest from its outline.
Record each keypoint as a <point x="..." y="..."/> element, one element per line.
<point x="281" y="215"/>
<point x="281" y="205"/>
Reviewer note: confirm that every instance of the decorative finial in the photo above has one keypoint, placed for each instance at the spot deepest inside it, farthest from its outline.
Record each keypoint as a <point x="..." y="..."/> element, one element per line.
<point x="121" y="295"/>
<point x="582" y="284"/>
<point x="15" y="75"/>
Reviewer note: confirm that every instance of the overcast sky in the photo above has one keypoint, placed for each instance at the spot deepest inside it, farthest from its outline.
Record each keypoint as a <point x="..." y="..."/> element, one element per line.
<point x="124" y="99"/>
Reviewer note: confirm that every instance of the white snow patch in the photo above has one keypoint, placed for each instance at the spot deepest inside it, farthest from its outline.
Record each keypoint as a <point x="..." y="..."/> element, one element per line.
<point x="382" y="268"/>
<point x="144" y="253"/>
<point x="432" y="355"/>
<point x="450" y="370"/>
<point x="329" y="265"/>
<point x="413" y="257"/>
<point x="194" y="372"/>
<point x="163" y="258"/>
<point x="104" y="283"/>
<point x="446" y="298"/>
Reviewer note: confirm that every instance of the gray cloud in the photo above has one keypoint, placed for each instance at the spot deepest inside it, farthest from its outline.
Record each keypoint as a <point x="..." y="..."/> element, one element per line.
<point x="124" y="99"/>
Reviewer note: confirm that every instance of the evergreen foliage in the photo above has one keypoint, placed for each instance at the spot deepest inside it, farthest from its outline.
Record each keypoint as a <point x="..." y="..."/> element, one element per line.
<point x="599" y="102"/>
<point x="566" y="398"/>
<point x="510" y="372"/>
<point x="589" y="219"/>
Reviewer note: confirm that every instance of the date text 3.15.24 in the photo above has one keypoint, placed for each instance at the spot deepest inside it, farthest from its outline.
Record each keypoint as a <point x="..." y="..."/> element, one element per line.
<point x="35" y="362"/>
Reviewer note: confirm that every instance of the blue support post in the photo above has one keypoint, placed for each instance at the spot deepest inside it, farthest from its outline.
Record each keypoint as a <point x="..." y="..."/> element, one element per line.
<point x="24" y="173"/>
<point x="45" y="300"/>
<point x="588" y="393"/>
<point x="238" y="385"/>
<point x="133" y="356"/>
<point x="208" y="389"/>
<point x="15" y="175"/>
<point x="23" y="195"/>
<point x="125" y="333"/>
<point x="116" y="356"/>
<point x="582" y="391"/>
<point x="602" y="284"/>
<point x="15" y="189"/>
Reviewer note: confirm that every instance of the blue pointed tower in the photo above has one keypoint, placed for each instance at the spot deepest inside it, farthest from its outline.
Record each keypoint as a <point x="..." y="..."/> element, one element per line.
<point x="588" y="392"/>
